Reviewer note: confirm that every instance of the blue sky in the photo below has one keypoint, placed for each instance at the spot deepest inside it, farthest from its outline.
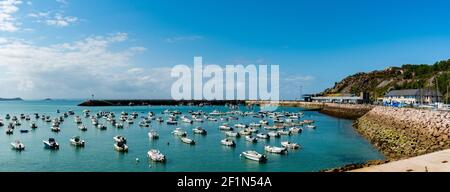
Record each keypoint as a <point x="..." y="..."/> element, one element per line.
<point x="121" y="49"/>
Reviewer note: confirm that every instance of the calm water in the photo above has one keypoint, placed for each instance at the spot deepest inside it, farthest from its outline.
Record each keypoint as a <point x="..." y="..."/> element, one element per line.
<point x="334" y="143"/>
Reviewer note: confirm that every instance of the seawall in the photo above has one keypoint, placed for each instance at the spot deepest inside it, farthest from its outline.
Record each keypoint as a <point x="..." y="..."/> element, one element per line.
<point x="347" y="111"/>
<point x="404" y="132"/>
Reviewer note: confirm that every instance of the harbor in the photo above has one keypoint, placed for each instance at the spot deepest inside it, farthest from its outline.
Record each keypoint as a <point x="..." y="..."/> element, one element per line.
<point x="289" y="140"/>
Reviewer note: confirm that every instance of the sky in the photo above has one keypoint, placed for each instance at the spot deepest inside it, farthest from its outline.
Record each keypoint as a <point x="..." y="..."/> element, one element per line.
<point x="126" y="48"/>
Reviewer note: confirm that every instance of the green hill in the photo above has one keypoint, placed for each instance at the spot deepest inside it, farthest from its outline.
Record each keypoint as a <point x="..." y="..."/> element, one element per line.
<point x="408" y="76"/>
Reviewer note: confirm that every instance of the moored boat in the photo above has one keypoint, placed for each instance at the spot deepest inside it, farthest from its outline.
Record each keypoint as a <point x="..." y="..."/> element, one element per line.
<point x="51" y="143"/>
<point x="273" y="149"/>
<point x="251" y="139"/>
<point x="262" y="136"/>
<point x="77" y="141"/>
<point x="232" y="134"/>
<point x="199" y="130"/>
<point x="228" y="142"/>
<point x="156" y="155"/>
<point x="255" y="156"/>
<point x="290" y="145"/>
<point x="82" y="128"/>
<point x="179" y="132"/>
<point x="187" y="140"/>
<point x="153" y="134"/>
<point x="17" y="145"/>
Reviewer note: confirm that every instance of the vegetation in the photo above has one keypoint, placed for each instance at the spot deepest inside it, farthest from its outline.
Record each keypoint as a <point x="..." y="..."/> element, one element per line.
<point x="408" y="76"/>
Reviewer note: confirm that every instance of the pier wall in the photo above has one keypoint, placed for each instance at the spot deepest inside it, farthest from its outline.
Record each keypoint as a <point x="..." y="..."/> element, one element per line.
<point x="347" y="111"/>
<point x="404" y="132"/>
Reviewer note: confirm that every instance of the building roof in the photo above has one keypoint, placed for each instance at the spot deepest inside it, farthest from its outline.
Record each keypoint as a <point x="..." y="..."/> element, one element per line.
<point x="413" y="92"/>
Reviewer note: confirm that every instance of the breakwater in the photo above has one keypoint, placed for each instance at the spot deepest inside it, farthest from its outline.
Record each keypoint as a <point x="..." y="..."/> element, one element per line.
<point x="157" y="102"/>
<point x="347" y="111"/>
<point x="404" y="132"/>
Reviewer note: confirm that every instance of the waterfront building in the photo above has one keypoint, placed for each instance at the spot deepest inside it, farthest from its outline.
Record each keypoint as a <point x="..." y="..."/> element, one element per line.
<point x="411" y="97"/>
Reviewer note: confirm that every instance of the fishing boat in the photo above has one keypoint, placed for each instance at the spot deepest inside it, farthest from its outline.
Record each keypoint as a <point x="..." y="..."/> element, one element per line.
<point x="101" y="127"/>
<point x="228" y="142"/>
<point x="232" y="134"/>
<point x="156" y="155"/>
<point x="225" y="127"/>
<point x="121" y="147"/>
<point x="55" y="129"/>
<point x="290" y="145"/>
<point x="255" y="156"/>
<point x="153" y="134"/>
<point x="199" y="130"/>
<point x="51" y="144"/>
<point x="262" y="136"/>
<point x="77" y="141"/>
<point x="17" y="145"/>
<point x="296" y="130"/>
<point x="273" y="149"/>
<point x="273" y="134"/>
<point x="82" y="128"/>
<point x="120" y="139"/>
<point x="284" y="132"/>
<point x="251" y="139"/>
<point x="187" y="140"/>
<point x="179" y="132"/>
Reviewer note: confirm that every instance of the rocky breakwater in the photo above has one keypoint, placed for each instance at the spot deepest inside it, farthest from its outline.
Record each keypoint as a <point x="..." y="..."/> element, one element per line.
<point x="404" y="132"/>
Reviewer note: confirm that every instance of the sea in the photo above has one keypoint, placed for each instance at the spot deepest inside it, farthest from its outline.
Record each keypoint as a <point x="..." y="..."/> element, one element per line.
<point x="334" y="143"/>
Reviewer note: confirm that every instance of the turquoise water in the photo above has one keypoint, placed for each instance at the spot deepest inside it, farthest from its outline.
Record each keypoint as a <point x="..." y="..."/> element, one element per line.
<point x="334" y="143"/>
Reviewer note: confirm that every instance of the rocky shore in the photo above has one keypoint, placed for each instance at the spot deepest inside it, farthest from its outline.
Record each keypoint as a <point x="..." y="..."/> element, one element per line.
<point x="404" y="132"/>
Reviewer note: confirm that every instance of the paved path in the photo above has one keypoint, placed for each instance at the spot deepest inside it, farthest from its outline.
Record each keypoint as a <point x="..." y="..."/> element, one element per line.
<point x="433" y="162"/>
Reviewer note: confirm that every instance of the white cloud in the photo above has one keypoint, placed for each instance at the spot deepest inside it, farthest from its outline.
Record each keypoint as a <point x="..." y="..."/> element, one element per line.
<point x="77" y="69"/>
<point x="7" y="10"/>
<point x="183" y="38"/>
<point x="53" y="19"/>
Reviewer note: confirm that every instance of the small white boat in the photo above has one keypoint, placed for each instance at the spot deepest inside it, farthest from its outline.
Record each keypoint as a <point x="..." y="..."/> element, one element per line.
<point x="198" y="119"/>
<point x="9" y="131"/>
<point x="310" y="126"/>
<point x="153" y="134"/>
<point x="120" y="139"/>
<point x="82" y="128"/>
<point x="101" y="127"/>
<point x="171" y="122"/>
<point x="77" y="141"/>
<point x="33" y="125"/>
<point x="255" y="125"/>
<point x="159" y="120"/>
<point x="56" y="129"/>
<point x="251" y="139"/>
<point x="179" y="132"/>
<point x="51" y="144"/>
<point x="156" y="155"/>
<point x="187" y="140"/>
<point x="211" y="119"/>
<point x="144" y="124"/>
<point x="186" y="120"/>
<point x="119" y="125"/>
<point x="199" y="130"/>
<point x="228" y="142"/>
<point x="17" y="145"/>
<point x="296" y="130"/>
<point x="240" y="125"/>
<point x="262" y="136"/>
<point x="245" y="132"/>
<point x="253" y="130"/>
<point x="273" y="149"/>
<point x="290" y="145"/>
<point x="273" y="134"/>
<point x="121" y="147"/>
<point x="225" y="127"/>
<point x="232" y="134"/>
<point x="283" y="132"/>
<point x="77" y="120"/>
<point x="271" y="127"/>
<point x="255" y="156"/>
<point x="130" y="121"/>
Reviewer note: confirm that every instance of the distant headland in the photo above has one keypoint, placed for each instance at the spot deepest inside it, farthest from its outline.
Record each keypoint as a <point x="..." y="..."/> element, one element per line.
<point x="11" y="99"/>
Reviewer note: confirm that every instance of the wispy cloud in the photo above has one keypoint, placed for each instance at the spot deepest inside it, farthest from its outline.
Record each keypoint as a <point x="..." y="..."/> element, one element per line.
<point x="73" y="69"/>
<point x="54" y="19"/>
<point x="183" y="38"/>
<point x="7" y="19"/>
